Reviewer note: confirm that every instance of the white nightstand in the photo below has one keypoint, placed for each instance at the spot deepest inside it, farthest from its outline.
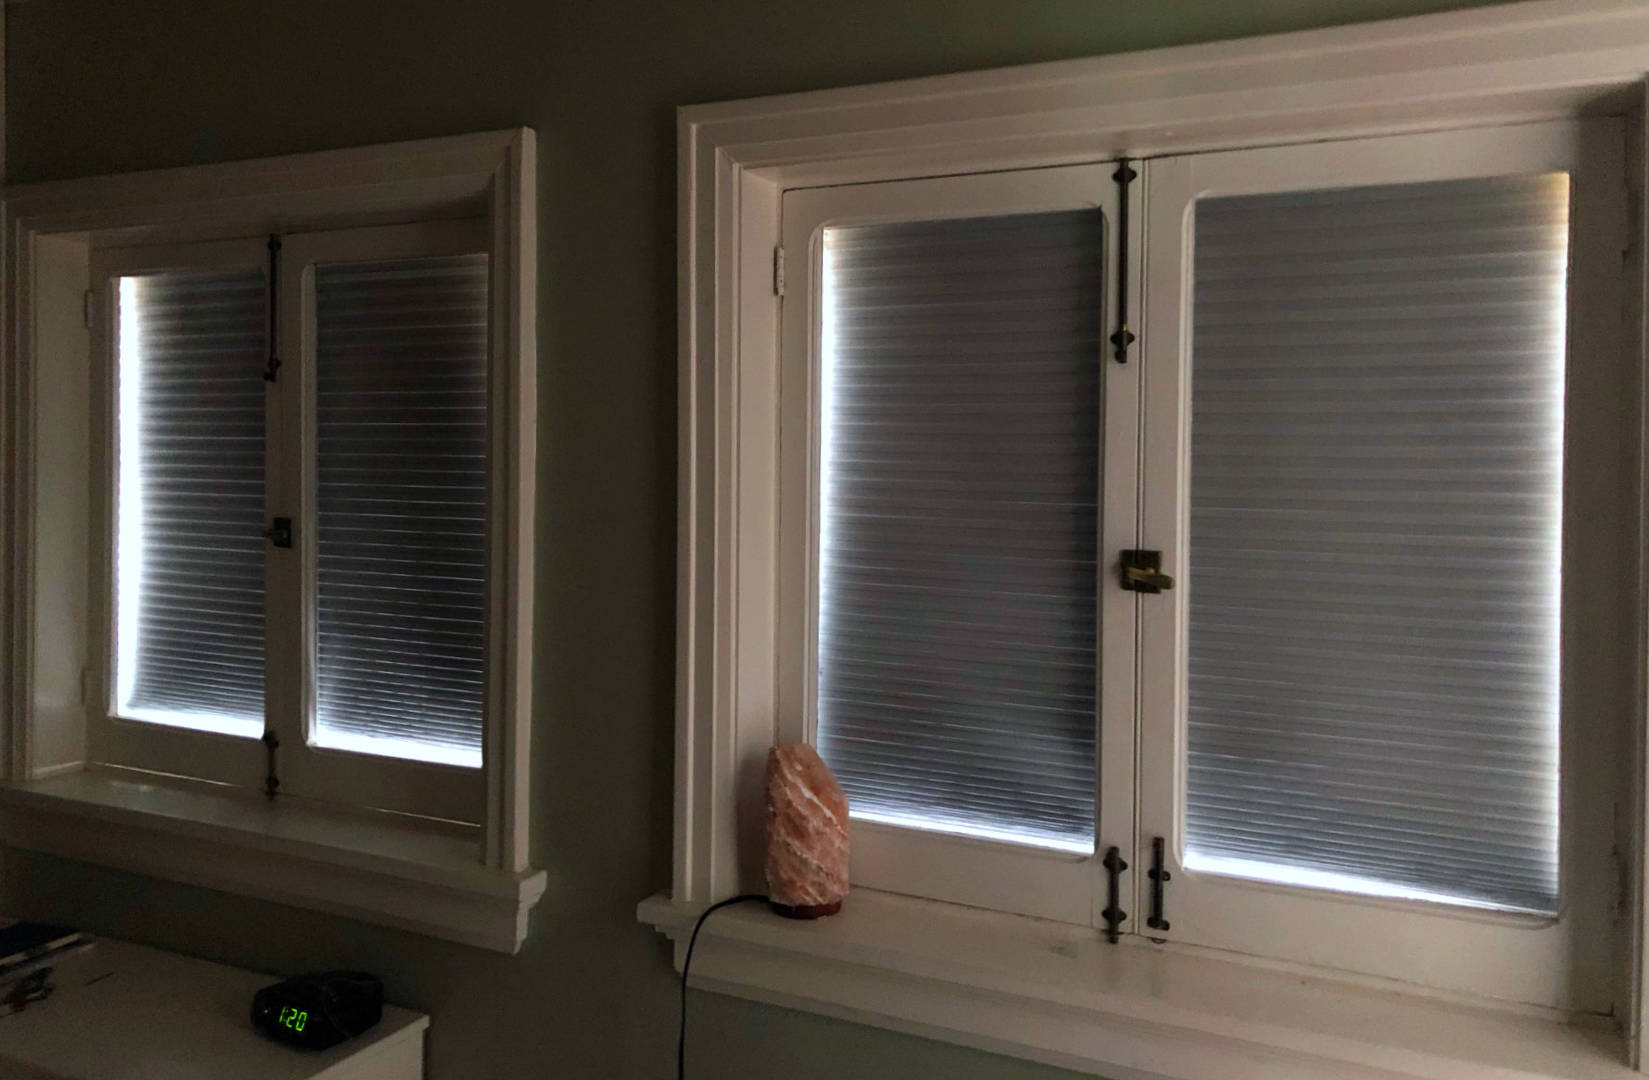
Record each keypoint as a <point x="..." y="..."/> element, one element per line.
<point x="126" y="1012"/>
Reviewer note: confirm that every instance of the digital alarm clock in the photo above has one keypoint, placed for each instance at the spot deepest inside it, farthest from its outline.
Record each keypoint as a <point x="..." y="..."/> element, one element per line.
<point x="320" y="1010"/>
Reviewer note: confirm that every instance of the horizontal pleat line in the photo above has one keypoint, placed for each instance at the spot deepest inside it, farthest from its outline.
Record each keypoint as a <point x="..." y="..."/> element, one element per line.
<point x="1345" y="818"/>
<point x="430" y="642"/>
<point x="1506" y="859"/>
<point x="347" y="718"/>
<point x="1242" y="692"/>
<point x="401" y="430"/>
<point x="1349" y="770"/>
<point x="987" y="627"/>
<point x="451" y="700"/>
<point x="412" y="671"/>
<point x="1005" y="814"/>
<point x="960" y="505"/>
<point x="944" y="693"/>
<point x="468" y="607"/>
<point x="228" y="638"/>
<point x="896" y="649"/>
<point x="982" y="779"/>
<point x="228" y="711"/>
<point x="202" y="578"/>
<point x="183" y="658"/>
<point x="1527" y="669"/>
<point x="466" y="601"/>
<point x="1362" y="843"/>
<point x="1514" y="867"/>
<point x="1377" y="386"/>
<point x="178" y="691"/>
<point x="1410" y="870"/>
<point x="1255" y="613"/>
<point x="201" y="394"/>
<point x="1042" y="739"/>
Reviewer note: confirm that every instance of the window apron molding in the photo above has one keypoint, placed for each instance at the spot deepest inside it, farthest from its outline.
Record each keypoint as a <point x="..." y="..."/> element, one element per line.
<point x="1510" y="64"/>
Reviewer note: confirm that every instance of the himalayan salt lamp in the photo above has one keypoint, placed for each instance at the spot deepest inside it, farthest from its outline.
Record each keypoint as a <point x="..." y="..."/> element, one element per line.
<point x="806" y="834"/>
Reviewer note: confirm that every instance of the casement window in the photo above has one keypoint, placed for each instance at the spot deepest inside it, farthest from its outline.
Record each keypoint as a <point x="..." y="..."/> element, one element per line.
<point x="1353" y="453"/>
<point x="948" y="643"/>
<point x="1194" y="501"/>
<point x="297" y="505"/>
<point x="1380" y="722"/>
<point x="271" y="575"/>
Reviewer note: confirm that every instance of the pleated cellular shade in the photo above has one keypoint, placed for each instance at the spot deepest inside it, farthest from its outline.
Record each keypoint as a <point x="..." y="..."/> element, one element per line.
<point x="958" y="523"/>
<point x="189" y="517"/>
<point x="401" y="464"/>
<point x="1376" y="502"/>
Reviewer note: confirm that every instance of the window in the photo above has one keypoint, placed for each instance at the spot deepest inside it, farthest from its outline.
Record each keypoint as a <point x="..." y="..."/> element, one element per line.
<point x="299" y="526"/>
<point x="188" y="535"/>
<point x="946" y="630"/>
<point x="1361" y="467"/>
<point x="1370" y="494"/>
<point x="1364" y="778"/>
<point x="277" y="524"/>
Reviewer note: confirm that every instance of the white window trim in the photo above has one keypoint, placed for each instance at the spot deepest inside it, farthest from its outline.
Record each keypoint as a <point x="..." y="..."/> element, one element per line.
<point x="371" y="867"/>
<point x="964" y="869"/>
<point x="1561" y="961"/>
<point x="1521" y="62"/>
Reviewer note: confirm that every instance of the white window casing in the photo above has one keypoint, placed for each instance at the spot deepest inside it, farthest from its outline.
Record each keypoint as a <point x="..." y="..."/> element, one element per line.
<point x="899" y="961"/>
<point x="453" y="861"/>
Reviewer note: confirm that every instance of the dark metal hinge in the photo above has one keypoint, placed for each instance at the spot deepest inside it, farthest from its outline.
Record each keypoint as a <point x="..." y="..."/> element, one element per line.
<point x="1159" y="877"/>
<point x="272" y="367"/>
<point x="271" y="782"/>
<point x="1123" y="337"/>
<point x="1113" y="914"/>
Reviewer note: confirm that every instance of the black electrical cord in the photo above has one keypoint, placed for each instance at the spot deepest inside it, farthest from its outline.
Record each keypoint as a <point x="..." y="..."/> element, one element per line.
<point x="687" y="962"/>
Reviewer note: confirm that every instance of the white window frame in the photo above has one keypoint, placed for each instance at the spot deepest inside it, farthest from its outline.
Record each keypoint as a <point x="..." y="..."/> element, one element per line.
<point x="139" y="744"/>
<point x="446" y="792"/>
<point x="1001" y="981"/>
<point x="465" y="882"/>
<point x="1559" y="962"/>
<point x="966" y="870"/>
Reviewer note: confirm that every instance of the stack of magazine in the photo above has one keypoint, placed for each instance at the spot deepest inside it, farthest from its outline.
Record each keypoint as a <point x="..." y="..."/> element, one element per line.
<point x="28" y="953"/>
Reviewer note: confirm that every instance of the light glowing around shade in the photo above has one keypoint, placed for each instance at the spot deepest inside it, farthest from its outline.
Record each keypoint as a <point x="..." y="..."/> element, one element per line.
<point x="129" y="514"/>
<point x="957" y="445"/>
<point x="975" y="831"/>
<point x="1376" y="530"/>
<point x="401" y="474"/>
<point x="1356" y="885"/>
<point x="185" y="543"/>
<point x="406" y="749"/>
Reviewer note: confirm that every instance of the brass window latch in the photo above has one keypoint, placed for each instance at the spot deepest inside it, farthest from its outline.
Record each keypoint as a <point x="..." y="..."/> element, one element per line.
<point x="1142" y="572"/>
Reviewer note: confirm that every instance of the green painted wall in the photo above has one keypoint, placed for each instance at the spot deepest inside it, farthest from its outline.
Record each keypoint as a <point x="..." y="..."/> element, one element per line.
<point x="121" y="85"/>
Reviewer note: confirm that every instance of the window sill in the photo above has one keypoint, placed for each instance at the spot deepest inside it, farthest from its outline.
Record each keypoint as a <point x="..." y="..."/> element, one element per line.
<point x="1057" y="994"/>
<point x="371" y="867"/>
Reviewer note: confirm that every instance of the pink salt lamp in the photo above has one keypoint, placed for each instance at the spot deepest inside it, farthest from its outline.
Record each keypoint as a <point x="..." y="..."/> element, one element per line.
<point x="806" y="834"/>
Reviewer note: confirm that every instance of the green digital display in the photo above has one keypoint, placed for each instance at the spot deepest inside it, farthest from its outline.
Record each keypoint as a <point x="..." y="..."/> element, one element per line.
<point x="314" y="1012"/>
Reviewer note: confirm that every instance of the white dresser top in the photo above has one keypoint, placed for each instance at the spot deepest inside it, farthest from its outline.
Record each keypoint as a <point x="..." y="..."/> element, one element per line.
<point x="127" y="1012"/>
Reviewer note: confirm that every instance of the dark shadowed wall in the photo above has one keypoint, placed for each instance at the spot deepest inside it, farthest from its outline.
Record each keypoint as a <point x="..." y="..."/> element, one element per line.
<point x="119" y="85"/>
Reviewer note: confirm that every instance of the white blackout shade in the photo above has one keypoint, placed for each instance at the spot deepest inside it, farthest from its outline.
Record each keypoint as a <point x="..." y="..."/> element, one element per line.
<point x="1376" y="506"/>
<point x="958" y="521"/>
<point x="401" y="473"/>
<point x="189" y="515"/>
